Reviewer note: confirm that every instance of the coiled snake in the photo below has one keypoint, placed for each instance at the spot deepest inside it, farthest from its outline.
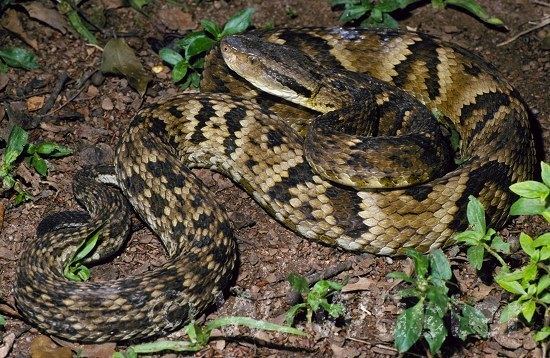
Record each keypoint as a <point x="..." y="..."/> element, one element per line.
<point x="393" y="95"/>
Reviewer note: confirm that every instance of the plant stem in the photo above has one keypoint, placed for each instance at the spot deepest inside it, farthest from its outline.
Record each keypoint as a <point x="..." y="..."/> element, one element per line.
<point x="495" y="255"/>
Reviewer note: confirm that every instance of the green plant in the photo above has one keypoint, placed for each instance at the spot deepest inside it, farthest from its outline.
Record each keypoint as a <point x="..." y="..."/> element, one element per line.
<point x="315" y="299"/>
<point x="73" y="269"/>
<point x="17" y="147"/>
<point x="18" y="58"/>
<point x="2" y="321"/>
<point x="372" y="13"/>
<point x="428" y="286"/>
<point x="199" y="336"/>
<point x="188" y="54"/>
<point x="531" y="282"/>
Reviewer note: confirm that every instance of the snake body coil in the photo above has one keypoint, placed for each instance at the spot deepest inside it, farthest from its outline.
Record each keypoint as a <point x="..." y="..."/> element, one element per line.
<point x="239" y="132"/>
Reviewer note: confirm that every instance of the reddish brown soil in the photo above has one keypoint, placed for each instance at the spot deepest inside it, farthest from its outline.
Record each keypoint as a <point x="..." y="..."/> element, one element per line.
<point x="268" y="252"/>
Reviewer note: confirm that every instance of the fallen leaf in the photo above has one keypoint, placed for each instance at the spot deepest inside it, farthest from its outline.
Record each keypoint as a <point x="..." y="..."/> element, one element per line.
<point x="7" y="343"/>
<point x="44" y="347"/>
<point x="342" y="352"/>
<point x="107" y="104"/>
<point x="10" y="21"/>
<point x="363" y="284"/>
<point x="47" y="15"/>
<point x="35" y="103"/>
<point x="481" y="291"/>
<point x="119" y="58"/>
<point x="176" y="19"/>
<point x="104" y="350"/>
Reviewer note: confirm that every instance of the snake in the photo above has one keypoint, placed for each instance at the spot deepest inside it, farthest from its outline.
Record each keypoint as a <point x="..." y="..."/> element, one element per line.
<point x="370" y="140"/>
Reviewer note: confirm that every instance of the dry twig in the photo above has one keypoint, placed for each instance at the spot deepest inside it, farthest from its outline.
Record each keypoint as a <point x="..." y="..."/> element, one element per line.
<point x="543" y="22"/>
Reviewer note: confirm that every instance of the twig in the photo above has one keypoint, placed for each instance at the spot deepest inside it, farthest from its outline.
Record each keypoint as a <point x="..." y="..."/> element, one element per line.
<point x="543" y="22"/>
<point x="538" y="2"/>
<point x="82" y="81"/>
<point x="63" y="78"/>
<point x="329" y="272"/>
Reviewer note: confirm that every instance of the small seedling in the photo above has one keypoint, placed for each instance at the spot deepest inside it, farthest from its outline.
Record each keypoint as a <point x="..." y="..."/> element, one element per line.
<point x="199" y="336"/>
<point x="18" y="147"/>
<point x="479" y="238"/>
<point x="372" y="13"/>
<point x="315" y="299"/>
<point x="534" y="198"/>
<point x="187" y="57"/>
<point x="73" y="269"/>
<point x="425" y="318"/>
<point x="18" y="58"/>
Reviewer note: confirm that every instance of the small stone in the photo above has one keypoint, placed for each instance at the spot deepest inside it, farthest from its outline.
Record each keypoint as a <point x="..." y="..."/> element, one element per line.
<point x="107" y="104"/>
<point x="35" y="103"/>
<point x="92" y="91"/>
<point x="98" y="78"/>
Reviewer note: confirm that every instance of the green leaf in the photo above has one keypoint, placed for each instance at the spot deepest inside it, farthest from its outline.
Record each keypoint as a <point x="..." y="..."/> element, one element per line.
<point x="335" y="310"/>
<point x="80" y="27"/>
<point x="50" y="149"/>
<point x="526" y="206"/>
<point x="546" y="215"/>
<point x="420" y="262"/>
<point x="323" y="287"/>
<point x="526" y="243"/>
<point x="542" y="334"/>
<point x="179" y="71"/>
<point x="21" y="197"/>
<point x="119" y="58"/>
<point x="238" y="23"/>
<point x="16" y="142"/>
<point x="212" y="28"/>
<point x="545" y="173"/>
<point x="3" y="67"/>
<point x="355" y="12"/>
<point x="475" y="256"/>
<point x="530" y="272"/>
<point x="198" y="44"/>
<point x="397" y="275"/>
<point x="19" y="58"/>
<point x="252" y="323"/>
<point x="2" y="321"/>
<point x="436" y="331"/>
<point x="543" y="284"/>
<point x="476" y="9"/>
<point x="528" y="309"/>
<point x="8" y="181"/>
<point x="476" y="215"/>
<point x="438" y="300"/>
<point x="138" y="4"/>
<point x="298" y="283"/>
<point x="170" y="56"/>
<point x="469" y="237"/>
<point x="511" y="286"/>
<point x="472" y="321"/>
<point x="545" y="298"/>
<point x="500" y="245"/>
<point x="511" y="310"/>
<point x="392" y="5"/>
<point x="408" y="327"/>
<point x="544" y="253"/>
<point x="530" y="189"/>
<point x="39" y="165"/>
<point x="73" y="269"/>
<point x="440" y="266"/>
<point x="542" y="240"/>
<point x="409" y="292"/>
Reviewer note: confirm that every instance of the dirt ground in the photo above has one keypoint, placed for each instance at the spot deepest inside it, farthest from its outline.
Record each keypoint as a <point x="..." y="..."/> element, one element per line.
<point x="90" y="124"/>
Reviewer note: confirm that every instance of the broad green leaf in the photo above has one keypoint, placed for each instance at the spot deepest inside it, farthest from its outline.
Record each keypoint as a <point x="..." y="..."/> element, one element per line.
<point x="179" y="71"/>
<point x="293" y="312"/>
<point x="238" y="23"/>
<point x="435" y="330"/>
<point x="542" y="240"/>
<point x="475" y="256"/>
<point x="324" y="287"/>
<point x="8" y="181"/>
<point x="476" y="215"/>
<point x="543" y="284"/>
<point x="392" y="5"/>
<point x="528" y="309"/>
<point x="545" y="298"/>
<point x="80" y="27"/>
<point x="335" y="310"/>
<point x="530" y="272"/>
<point x="530" y="189"/>
<point x="472" y="321"/>
<point x="16" y="142"/>
<point x="170" y="56"/>
<point x="119" y="58"/>
<point x="50" y="149"/>
<point x="526" y="206"/>
<point x="511" y="310"/>
<point x="298" y="283"/>
<point x="2" y="321"/>
<point x="211" y="27"/>
<point x="21" y="197"/>
<point x="39" y="165"/>
<point x="19" y="58"/>
<point x="500" y="245"/>
<point x="512" y="286"/>
<point x="544" y="253"/>
<point x="420" y="262"/>
<point x="437" y="300"/>
<point x="469" y="237"/>
<point x="546" y="215"/>
<point x="476" y="9"/>
<point x="198" y="44"/>
<point x="545" y="173"/>
<point x="354" y="13"/>
<point x="440" y="266"/>
<point x="542" y="334"/>
<point x="408" y="327"/>
<point x="526" y="243"/>
<point x="409" y="292"/>
<point x="3" y="67"/>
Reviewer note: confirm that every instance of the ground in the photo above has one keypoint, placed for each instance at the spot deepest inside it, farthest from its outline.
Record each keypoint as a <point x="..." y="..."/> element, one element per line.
<point x="92" y="121"/>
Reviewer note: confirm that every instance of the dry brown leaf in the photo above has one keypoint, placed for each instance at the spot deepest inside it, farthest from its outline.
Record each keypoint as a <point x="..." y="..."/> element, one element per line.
<point x="10" y="21"/>
<point x="35" y="103"/>
<point x="176" y="19"/>
<point x="47" y="15"/>
<point x="6" y="345"/>
<point x="363" y="284"/>
<point x="104" y="350"/>
<point x="481" y="291"/>
<point x="44" y="347"/>
<point x="119" y="58"/>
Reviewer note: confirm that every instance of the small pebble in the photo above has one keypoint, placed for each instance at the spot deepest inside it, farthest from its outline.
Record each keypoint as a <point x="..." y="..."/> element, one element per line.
<point x="107" y="104"/>
<point x="98" y="78"/>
